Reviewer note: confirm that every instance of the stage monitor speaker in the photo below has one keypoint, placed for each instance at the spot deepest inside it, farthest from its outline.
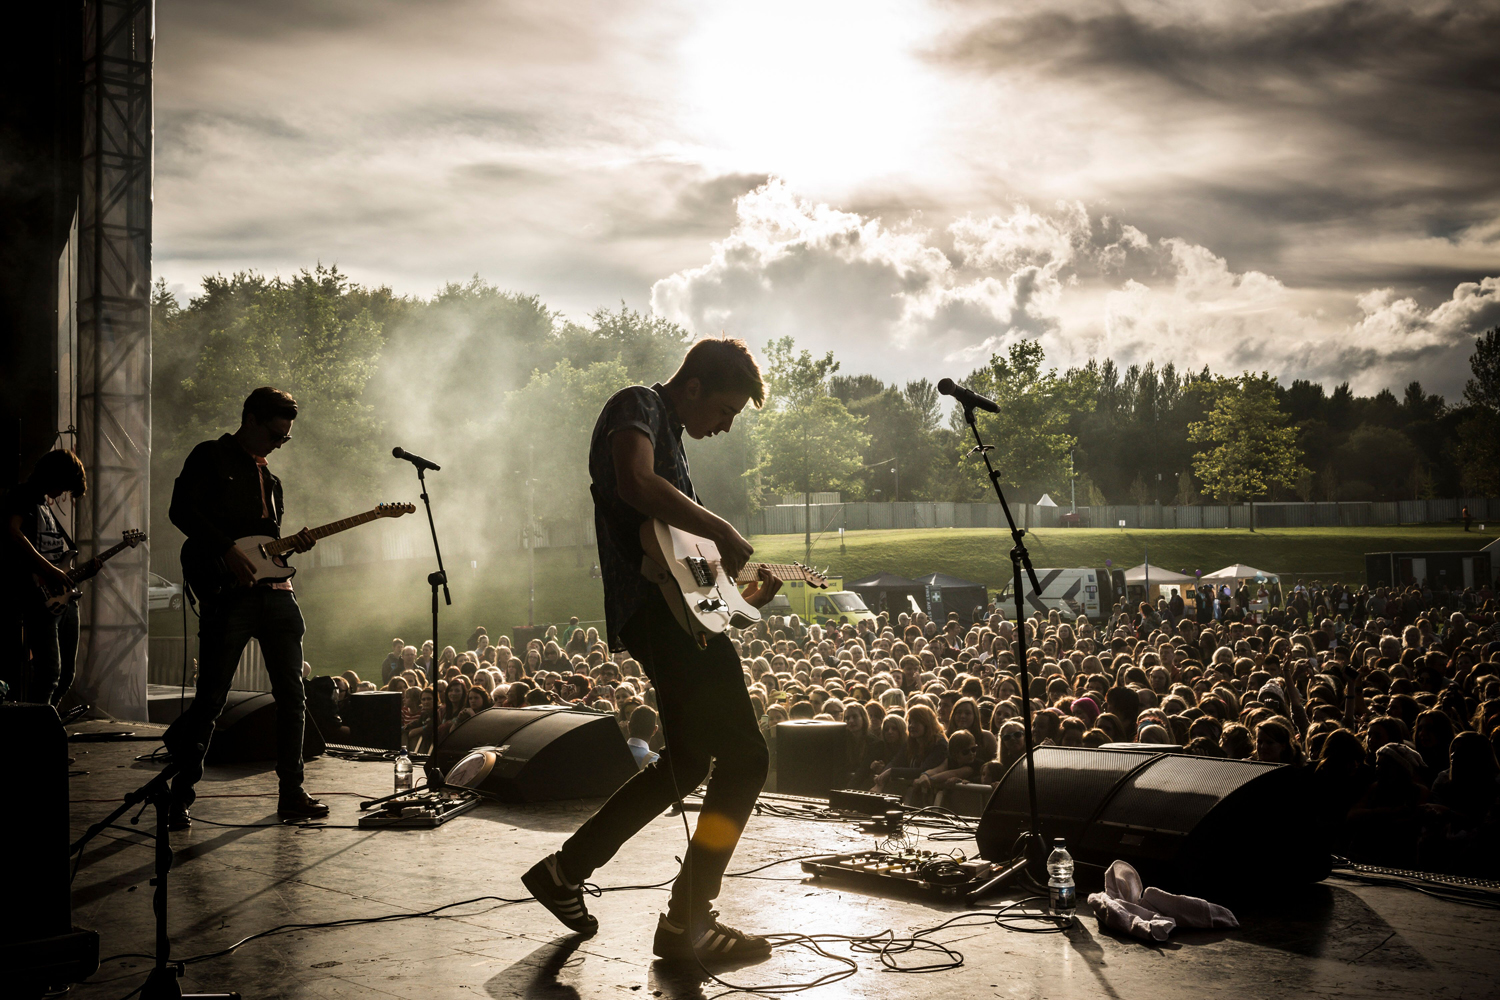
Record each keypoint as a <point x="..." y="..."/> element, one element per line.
<point x="811" y="757"/>
<point x="246" y="731"/>
<point x="537" y="754"/>
<point x="38" y="944"/>
<point x="374" y="719"/>
<point x="1186" y="823"/>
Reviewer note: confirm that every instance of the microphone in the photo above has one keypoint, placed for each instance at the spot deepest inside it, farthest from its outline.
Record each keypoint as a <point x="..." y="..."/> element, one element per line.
<point x="970" y="400"/>
<point x="422" y="463"/>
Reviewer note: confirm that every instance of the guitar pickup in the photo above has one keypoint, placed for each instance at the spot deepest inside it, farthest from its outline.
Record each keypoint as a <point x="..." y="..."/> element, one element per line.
<point x="702" y="571"/>
<point x="711" y="604"/>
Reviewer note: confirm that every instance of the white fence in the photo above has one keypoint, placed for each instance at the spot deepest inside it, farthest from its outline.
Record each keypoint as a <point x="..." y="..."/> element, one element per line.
<point x="165" y="664"/>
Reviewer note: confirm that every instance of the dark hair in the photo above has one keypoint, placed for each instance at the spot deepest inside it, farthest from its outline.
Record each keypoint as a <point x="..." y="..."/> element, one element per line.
<point x="60" y="468"/>
<point x="268" y="403"/>
<point x="722" y="364"/>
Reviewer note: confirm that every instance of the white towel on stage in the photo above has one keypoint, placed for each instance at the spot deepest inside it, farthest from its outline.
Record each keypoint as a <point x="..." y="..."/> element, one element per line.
<point x="1149" y="913"/>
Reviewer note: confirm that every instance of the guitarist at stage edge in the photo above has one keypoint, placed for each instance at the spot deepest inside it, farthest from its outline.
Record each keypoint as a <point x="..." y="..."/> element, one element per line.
<point x="639" y="471"/>
<point x="37" y="546"/>
<point x="226" y="491"/>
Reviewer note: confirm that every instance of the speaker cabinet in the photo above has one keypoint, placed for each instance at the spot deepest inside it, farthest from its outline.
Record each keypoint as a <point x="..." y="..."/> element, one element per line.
<point x="39" y="946"/>
<point x="246" y="731"/>
<point x="537" y="754"/>
<point x="811" y="757"/>
<point x="1187" y="824"/>
<point x="374" y="719"/>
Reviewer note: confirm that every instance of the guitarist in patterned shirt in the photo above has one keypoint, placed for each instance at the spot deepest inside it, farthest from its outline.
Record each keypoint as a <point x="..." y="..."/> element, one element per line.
<point x="37" y="547"/>
<point x="640" y="471"/>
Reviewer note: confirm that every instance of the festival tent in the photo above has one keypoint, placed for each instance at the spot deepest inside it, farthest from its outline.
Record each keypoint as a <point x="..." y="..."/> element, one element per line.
<point x="1238" y="571"/>
<point x="1046" y="501"/>
<point x="889" y="592"/>
<point x="953" y="594"/>
<point x="1157" y="575"/>
<point x="1136" y="578"/>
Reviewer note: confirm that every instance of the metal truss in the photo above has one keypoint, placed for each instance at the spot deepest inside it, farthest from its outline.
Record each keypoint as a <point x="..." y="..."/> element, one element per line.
<point x="114" y="345"/>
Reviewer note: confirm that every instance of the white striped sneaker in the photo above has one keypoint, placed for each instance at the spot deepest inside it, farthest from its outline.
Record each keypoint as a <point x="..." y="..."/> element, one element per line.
<point x="711" y="940"/>
<point x="545" y="882"/>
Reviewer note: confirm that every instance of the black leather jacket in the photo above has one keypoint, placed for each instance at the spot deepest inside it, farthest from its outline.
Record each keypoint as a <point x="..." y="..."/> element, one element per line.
<point x="218" y="498"/>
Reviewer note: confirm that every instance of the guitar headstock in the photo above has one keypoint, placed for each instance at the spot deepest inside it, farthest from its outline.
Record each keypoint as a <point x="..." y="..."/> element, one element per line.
<point x="395" y="509"/>
<point x="812" y="576"/>
<point x="133" y="537"/>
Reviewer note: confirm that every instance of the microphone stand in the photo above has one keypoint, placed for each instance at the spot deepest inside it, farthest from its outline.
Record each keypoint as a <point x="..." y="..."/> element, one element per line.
<point x="162" y="982"/>
<point x="435" y="580"/>
<point x="1026" y="863"/>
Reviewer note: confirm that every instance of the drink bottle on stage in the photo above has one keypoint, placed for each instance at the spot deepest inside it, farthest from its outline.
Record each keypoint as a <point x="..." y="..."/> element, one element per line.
<point x="1061" y="895"/>
<point x="403" y="772"/>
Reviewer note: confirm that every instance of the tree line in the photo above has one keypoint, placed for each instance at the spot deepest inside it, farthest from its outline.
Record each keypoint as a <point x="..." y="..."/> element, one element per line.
<point x="506" y="390"/>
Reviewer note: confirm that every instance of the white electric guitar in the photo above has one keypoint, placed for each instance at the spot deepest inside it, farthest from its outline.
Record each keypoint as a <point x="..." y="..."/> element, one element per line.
<point x="690" y="573"/>
<point x="268" y="555"/>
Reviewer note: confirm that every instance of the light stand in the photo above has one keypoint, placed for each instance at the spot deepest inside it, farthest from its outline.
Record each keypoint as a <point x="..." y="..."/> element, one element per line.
<point x="1030" y="847"/>
<point x="162" y="983"/>
<point x="435" y="580"/>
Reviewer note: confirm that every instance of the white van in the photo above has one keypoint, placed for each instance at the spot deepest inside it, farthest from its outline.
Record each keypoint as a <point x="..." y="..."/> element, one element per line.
<point x="1072" y="592"/>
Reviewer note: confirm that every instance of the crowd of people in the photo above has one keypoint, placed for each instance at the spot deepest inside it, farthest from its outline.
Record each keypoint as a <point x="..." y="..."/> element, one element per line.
<point x="1390" y="699"/>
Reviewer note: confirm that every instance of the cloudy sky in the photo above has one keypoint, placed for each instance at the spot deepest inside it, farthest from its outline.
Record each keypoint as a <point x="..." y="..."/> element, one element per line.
<point x="1308" y="188"/>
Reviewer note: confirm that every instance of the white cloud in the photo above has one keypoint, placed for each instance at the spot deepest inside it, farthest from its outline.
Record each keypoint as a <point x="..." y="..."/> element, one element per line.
<point x="891" y="300"/>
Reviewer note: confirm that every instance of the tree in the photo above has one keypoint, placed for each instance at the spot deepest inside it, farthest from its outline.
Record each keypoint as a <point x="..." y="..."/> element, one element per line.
<point x="1139" y="491"/>
<point x="550" y="422"/>
<point x="1252" y="449"/>
<point x="1030" y="434"/>
<point x="1483" y="390"/>
<point x="1187" y="491"/>
<point x="318" y="337"/>
<point x="806" y="437"/>
<point x="1477" y="435"/>
<point x="648" y="346"/>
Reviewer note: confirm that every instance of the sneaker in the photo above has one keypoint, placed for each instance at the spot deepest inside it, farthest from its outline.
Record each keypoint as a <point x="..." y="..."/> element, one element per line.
<point x="300" y="805"/>
<point x="178" y="817"/>
<point x="545" y="882"/>
<point x="711" y="940"/>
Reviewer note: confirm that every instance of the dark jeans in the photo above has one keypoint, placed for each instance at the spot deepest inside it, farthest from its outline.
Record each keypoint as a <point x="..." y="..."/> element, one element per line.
<point x="52" y="641"/>
<point x="706" y="717"/>
<point x="229" y="621"/>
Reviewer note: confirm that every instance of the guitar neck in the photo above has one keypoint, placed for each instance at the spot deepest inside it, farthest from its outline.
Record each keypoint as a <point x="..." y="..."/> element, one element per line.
<point x="283" y="545"/>
<point x="91" y="567"/>
<point x="784" y="572"/>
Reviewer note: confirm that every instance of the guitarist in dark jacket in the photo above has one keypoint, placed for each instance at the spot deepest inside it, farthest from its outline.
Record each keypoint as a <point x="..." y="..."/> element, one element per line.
<point x="224" y="492"/>
<point x="640" y="471"/>
<point x="37" y="548"/>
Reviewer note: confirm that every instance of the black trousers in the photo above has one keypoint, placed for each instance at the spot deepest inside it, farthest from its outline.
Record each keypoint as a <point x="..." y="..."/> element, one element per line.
<point x="706" y="717"/>
<point x="52" y="641"/>
<point x="229" y="621"/>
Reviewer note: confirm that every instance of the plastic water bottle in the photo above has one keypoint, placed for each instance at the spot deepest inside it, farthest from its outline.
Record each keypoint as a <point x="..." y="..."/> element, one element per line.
<point x="403" y="779"/>
<point x="1062" y="897"/>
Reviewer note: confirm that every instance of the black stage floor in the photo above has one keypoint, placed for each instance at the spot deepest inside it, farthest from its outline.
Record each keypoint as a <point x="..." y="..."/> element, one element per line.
<point x="1329" y="940"/>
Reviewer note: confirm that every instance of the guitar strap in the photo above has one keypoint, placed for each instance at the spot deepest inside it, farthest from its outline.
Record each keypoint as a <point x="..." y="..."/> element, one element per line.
<point x="67" y="538"/>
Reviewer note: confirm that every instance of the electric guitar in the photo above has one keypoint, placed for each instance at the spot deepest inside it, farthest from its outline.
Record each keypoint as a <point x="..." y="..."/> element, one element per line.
<point x="210" y="574"/>
<point x="690" y="573"/>
<point x="57" y="600"/>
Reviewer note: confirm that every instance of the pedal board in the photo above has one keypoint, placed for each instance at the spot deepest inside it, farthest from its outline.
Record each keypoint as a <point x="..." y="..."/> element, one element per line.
<point x="855" y="801"/>
<point x="914" y="871"/>
<point x="419" y="812"/>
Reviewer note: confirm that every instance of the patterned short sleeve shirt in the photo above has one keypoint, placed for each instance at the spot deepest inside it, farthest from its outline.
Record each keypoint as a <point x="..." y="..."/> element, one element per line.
<point x="616" y="523"/>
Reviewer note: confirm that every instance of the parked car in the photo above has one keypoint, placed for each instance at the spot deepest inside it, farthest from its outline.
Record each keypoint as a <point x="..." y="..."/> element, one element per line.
<point x="162" y="594"/>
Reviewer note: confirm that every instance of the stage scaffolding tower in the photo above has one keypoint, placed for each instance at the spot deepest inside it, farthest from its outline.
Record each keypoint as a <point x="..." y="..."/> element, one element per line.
<point x="114" y="345"/>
